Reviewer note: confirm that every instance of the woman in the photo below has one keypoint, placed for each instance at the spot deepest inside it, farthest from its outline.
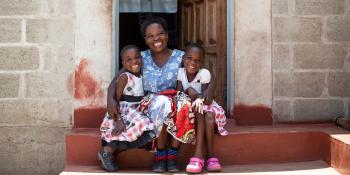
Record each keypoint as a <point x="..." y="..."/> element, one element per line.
<point x="159" y="68"/>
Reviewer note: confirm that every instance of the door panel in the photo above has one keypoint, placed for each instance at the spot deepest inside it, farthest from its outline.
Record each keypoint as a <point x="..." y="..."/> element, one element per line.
<point x="205" y="21"/>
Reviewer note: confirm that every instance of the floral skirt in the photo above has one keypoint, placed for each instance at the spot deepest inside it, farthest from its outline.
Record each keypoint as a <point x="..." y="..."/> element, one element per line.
<point x="135" y="124"/>
<point x="176" y="113"/>
<point x="173" y="110"/>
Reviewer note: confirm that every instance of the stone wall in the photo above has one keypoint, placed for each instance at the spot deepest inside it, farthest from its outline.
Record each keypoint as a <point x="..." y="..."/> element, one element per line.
<point x="36" y="56"/>
<point x="311" y="59"/>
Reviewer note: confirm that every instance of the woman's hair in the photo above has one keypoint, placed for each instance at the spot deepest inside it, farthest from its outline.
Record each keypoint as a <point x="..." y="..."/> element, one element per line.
<point x="153" y="20"/>
<point x="127" y="47"/>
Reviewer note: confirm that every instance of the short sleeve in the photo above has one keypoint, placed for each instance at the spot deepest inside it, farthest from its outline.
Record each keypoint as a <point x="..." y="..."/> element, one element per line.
<point x="205" y="76"/>
<point x="180" y="74"/>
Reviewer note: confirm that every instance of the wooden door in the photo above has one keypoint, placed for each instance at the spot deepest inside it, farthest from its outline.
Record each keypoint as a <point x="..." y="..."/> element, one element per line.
<point x="205" y="21"/>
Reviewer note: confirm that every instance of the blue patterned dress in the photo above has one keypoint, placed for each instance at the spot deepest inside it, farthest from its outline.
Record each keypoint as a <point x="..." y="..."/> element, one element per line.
<point x="157" y="79"/>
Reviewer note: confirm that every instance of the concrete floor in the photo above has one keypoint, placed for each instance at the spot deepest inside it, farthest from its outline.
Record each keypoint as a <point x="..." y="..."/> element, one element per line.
<point x="297" y="168"/>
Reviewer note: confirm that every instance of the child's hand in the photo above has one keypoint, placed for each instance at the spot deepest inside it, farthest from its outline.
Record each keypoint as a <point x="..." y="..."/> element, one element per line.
<point x="198" y="105"/>
<point x="119" y="126"/>
<point x="112" y="108"/>
<point x="208" y="97"/>
<point x="192" y="93"/>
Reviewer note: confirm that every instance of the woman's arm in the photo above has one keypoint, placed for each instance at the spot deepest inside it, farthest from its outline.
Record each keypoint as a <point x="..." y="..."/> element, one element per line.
<point x="111" y="95"/>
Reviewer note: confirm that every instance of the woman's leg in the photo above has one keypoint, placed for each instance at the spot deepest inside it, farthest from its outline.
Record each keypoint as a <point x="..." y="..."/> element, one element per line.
<point x="172" y="156"/>
<point x="161" y="144"/>
<point x="209" y="130"/>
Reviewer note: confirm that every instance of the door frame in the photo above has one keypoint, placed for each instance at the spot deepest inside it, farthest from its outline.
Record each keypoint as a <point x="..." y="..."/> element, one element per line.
<point x="229" y="44"/>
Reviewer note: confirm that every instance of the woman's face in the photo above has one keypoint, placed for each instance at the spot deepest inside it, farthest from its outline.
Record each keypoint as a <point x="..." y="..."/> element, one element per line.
<point x="193" y="60"/>
<point x="156" y="37"/>
<point x="132" y="60"/>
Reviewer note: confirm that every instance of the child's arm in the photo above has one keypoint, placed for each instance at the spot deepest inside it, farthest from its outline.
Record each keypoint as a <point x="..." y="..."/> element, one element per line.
<point x="120" y="84"/>
<point x="112" y="108"/>
<point x="208" y="87"/>
<point x="179" y="86"/>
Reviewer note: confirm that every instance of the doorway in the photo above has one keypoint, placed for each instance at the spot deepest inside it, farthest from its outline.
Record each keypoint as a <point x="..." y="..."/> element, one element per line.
<point x="202" y="21"/>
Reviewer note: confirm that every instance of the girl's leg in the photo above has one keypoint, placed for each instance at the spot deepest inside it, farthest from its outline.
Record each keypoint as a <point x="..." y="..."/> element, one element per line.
<point x="212" y="162"/>
<point x="196" y="163"/>
<point x="106" y="156"/>
<point x="209" y="130"/>
<point x="200" y="136"/>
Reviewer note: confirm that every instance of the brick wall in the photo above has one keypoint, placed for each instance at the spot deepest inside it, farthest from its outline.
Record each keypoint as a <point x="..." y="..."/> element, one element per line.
<point x="311" y="59"/>
<point x="36" y="57"/>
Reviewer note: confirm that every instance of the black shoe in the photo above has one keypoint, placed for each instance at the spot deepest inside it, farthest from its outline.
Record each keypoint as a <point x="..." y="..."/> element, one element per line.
<point x="159" y="166"/>
<point x="107" y="161"/>
<point x="172" y="166"/>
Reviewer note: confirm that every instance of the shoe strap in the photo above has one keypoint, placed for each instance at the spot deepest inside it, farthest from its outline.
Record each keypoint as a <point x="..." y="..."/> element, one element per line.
<point x="196" y="161"/>
<point x="213" y="159"/>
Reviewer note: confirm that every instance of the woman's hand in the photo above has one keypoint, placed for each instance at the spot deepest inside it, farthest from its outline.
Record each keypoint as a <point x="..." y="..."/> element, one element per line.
<point x="208" y="96"/>
<point x="119" y="126"/>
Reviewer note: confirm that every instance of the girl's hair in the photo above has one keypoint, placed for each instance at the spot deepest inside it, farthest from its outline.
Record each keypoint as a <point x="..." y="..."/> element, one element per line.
<point x="127" y="47"/>
<point x="194" y="45"/>
<point x="153" y="20"/>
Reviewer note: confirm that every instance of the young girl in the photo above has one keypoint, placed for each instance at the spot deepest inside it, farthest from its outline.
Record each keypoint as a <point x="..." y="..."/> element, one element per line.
<point x="194" y="80"/>
<point x="129" y="128"/>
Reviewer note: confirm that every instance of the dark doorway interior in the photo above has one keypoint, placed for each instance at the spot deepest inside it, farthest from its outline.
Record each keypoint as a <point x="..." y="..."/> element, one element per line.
<point x="129" y="29"/>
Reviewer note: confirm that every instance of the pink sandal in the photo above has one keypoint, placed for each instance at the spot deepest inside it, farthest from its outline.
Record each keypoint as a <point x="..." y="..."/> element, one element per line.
<point x="195" y="166"/>
<point x="213" y="165"/>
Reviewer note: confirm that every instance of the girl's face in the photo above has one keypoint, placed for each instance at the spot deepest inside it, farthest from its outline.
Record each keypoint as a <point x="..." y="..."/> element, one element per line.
<point x="132" y="60"/>
<point x="156" y="37"/>
<point x="193" y="60"/>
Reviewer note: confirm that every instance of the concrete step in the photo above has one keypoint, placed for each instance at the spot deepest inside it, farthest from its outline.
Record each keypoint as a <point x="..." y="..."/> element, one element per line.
<point x="244" y="145"/>
<point x="296" y="168"/>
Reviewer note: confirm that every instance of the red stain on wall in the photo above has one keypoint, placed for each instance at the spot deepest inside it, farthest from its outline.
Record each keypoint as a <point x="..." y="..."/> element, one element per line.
<point x="252" y="115"/>
<point x="89" y="117"/>
<point x="85" y="84"/>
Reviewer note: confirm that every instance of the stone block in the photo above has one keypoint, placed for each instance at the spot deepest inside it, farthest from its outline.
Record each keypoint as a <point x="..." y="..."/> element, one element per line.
<point x="10" y="30"/>
<point x="339" y="84"/>
<point x="319" y="7"/>
<point x="19" y="58"/>
<point x="319" y="56"/>
<point x="60" y="7"/>
<point x="34" y="150"/>
<point x="317" y="110"/>
<point x="296" y="29"/>
<point x="58" y="59"/>
<point x="279" y="6"/>
<point x="338" y="28"/>
<point x="57" y="32"/>
<point x="282" y="111"/>
<point x="20" y="7"/>
<point x="46" y="85"/>
<point x="10" y="113"/>
<point x="55" y="112"/>
<point x="309" y="84"/>
<point x="283" y="85"/>
<point x="281" y="57"/>
<point x="9" y="85"/>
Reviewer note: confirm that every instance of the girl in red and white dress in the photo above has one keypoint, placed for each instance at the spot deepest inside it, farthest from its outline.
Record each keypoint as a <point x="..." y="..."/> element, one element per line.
<point x="194" y="80"/>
